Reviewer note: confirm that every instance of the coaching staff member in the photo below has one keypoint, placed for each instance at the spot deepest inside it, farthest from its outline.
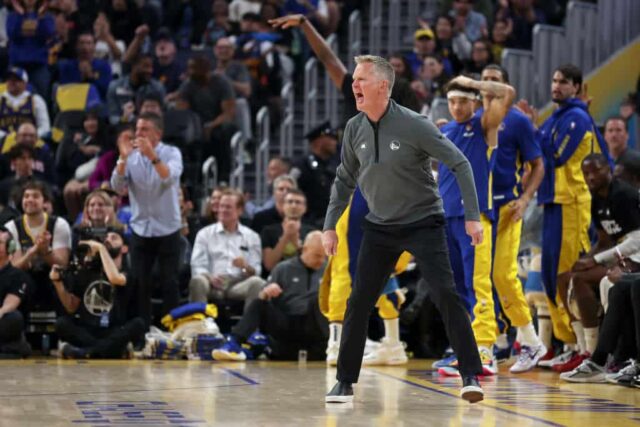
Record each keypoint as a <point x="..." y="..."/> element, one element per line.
<point x="387" y="152"/>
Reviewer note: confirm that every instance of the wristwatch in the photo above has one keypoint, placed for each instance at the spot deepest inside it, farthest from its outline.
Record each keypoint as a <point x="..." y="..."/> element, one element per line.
<point x="155" y="161"/>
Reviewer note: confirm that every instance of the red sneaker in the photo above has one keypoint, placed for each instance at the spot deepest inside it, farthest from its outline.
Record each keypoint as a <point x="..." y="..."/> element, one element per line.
<point x="572" y="363"/>
<point x="550" y="355"/>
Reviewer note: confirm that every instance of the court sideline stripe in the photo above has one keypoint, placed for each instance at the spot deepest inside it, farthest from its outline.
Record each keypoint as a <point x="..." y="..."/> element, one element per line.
<point x="422" y="386"/>
<point x="237" y="374"/>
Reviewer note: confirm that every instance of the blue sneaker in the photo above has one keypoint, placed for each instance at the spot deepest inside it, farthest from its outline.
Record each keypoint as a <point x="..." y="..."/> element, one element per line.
<point x="449" y="361"/>
<point x="258" y="344"/>
<point x="230" y="350"/>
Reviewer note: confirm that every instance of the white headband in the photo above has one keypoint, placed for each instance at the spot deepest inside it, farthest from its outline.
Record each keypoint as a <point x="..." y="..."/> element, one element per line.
<point x="461" y="94"/>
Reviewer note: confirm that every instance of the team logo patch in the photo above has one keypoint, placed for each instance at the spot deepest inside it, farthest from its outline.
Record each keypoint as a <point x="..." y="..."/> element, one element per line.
<point x="98" y="298"/>
<point x="395" y="145"/>
<point x="501" y="127"/>
<point x="363" y="146"/>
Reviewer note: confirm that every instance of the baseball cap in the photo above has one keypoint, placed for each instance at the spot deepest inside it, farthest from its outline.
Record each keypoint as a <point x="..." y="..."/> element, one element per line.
<point x="322" y="129"/>
<point x="423" y="32"/>
<point x="19" y="73"/>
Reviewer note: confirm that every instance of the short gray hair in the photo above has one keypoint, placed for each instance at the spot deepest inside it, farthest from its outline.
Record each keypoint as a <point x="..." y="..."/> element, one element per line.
<point x="285" y="177"/>
<point x="381" y="67"/>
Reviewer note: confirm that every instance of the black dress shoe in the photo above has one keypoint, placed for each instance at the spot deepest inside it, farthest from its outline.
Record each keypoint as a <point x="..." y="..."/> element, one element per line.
<point x="69" y="351"/>
<point x="471" y="390"/>
<point x="340" y="393"/>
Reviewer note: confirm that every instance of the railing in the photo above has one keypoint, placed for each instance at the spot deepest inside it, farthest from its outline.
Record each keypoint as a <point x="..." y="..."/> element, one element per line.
<point x="375" y="27"/>
<point x="330" y="90"/>
<point x="310" y="94"/>
<point x="286" y="125"/>
<point x="394" y="42"/>
<point x="236" y="179"/>
<point x="548" y="54"/>
<point x="519" y="64"/>
<point x="591" y="34"/>
<point x="355" y="38"/>
<point x="209" y="175"/>
<point x="262" y="154"/>
<point x="582" y="46"/>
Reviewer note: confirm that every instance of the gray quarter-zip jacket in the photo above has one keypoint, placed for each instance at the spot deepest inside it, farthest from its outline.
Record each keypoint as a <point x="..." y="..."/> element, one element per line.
<point x="391" y="163"/>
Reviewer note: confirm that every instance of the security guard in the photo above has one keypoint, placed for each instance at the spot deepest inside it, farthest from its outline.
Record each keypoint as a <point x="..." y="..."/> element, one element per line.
<point x="316" y="171"/>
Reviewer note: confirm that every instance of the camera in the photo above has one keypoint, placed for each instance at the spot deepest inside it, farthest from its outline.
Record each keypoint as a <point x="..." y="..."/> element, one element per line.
<point x="82" y="250"/>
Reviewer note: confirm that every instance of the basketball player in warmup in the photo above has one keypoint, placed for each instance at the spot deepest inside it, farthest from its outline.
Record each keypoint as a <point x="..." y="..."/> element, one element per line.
<point x="476" y="135"/>
<point x="340" y="272"/>
<point x="566" y="138"/>
<point x="385" y="152"/>
<point x="517" y="147"/>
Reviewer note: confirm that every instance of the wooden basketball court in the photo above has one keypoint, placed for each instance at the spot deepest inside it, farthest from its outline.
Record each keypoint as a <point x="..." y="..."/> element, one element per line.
<point x="50" y="392"/>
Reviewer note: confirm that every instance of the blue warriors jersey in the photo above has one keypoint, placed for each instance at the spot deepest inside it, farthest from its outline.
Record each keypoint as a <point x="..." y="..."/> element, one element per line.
<point x="516" y="146"/>
<point x="11" y="118"/>
<point x="469" y="138"/>
<point x="566" y="138"/>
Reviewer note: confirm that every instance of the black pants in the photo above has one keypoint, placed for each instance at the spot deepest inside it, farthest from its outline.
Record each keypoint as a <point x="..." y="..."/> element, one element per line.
<point x="11" y="327"/>
<point x="145" y="252"/>
<point x="308" y="331"/>
<point x="100" y="342"/>
<point x="380" y="248"/>
<point x="623" y="315"/>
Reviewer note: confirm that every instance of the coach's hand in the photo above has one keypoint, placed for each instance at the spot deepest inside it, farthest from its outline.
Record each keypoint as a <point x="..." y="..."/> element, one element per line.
<point x="474" y="230"/>
<point x="330" y="242"/>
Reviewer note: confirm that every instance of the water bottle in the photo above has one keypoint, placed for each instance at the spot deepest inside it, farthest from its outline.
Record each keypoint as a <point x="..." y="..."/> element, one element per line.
<point x="46" y="344"/>
<point x="302" y="357"/>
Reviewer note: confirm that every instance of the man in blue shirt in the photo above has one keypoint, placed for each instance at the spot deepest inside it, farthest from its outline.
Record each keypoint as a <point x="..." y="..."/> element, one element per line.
<point x="151" y="171"/>
<point x="86" y="68"/>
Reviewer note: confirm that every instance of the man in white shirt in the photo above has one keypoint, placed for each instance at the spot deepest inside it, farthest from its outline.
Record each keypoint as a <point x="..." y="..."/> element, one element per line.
<point x="226" y="257"/>
<point x="18" y="105"/>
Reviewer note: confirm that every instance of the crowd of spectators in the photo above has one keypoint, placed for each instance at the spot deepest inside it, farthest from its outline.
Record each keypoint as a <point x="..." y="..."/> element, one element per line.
<point x="133" y="66"/>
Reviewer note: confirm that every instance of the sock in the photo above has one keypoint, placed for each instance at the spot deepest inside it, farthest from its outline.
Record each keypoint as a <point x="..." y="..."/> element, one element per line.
<point x="502" y="341"/>
<point x="545" y="328"/>
<point x="392" y="330"/>
<point x="579" y="331"/>
<point x="528" y="335"/>
<point x="591" y="339"/>
<point x="335" y="332"/>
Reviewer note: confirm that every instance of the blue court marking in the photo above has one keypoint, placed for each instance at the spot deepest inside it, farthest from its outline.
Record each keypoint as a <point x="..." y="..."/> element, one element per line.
<point x="127" y="391"/>
<point x="237" y="374"/>
<point x="508" y="411"/>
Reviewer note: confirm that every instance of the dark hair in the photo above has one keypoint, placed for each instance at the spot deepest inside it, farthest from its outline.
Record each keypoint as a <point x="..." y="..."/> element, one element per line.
<point x="451" y="20"/>
<point x="85" y="33"/>
<point x="138" y="59"/>
<point x="123" y="127"/>
<point x="631" y="163"/>
<point x="616" y="117"/>
<point x="435" y="56"/>
<point x="151" y="96"/>
<point x="598" y="158"/>
<point x="19" y="150"/>
<point x="571" y="72"/>
<point x="408" y="70"/>
<point x="251" y="17"/>
<point x="154" y="118"/>
<point x="283" y="159"/>
<point x="43" y="188"/>
<point x="457" y="86"/>
<point x="505" y="73"/>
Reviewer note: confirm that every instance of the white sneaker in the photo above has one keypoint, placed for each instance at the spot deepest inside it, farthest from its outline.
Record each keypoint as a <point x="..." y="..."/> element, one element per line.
<point x="371" y="345"/>
<point x="332" y="353"/>
<point x="489" y="362"/>
<point x="558" y="360"/>
<point x="386" y="354"/>
<point x="528" y="358"/>
<point x="587" y="372"/>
